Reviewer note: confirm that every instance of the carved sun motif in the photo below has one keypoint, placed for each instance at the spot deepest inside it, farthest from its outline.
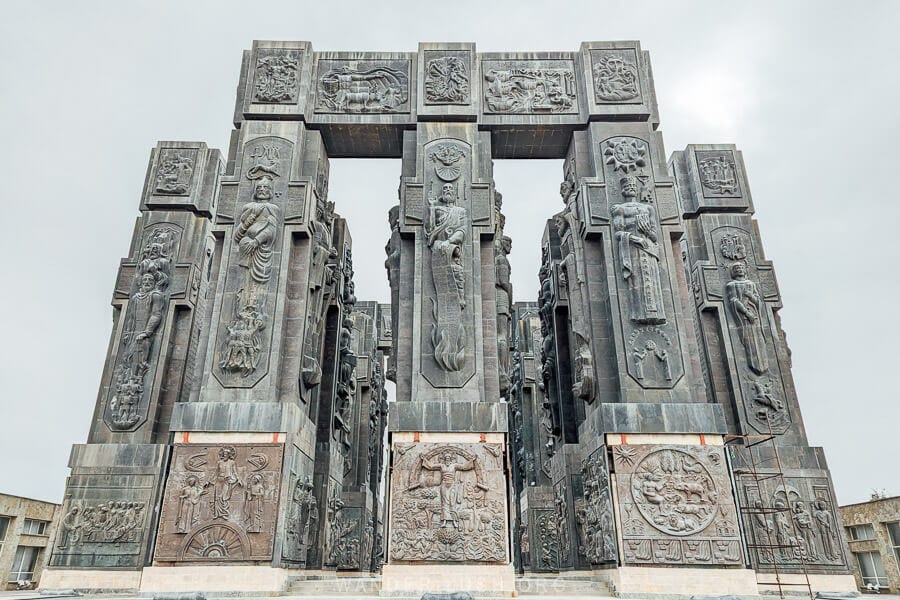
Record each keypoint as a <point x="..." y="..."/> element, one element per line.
<point x="625" y="154"/>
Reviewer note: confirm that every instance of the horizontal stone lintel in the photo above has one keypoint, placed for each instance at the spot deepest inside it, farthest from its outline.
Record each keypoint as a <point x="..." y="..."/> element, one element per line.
<point x="475" y="417"/>
<point x="269" y="417"/>
<point x="661" y="418"/>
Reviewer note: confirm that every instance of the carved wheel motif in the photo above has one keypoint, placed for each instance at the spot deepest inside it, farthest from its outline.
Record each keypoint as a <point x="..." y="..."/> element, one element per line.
<point x="216" y="542"/>
<point x="674" y="492"/>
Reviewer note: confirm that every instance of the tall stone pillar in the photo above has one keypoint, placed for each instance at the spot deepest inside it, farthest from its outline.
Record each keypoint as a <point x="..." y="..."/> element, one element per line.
<point x="786" y="502"/>
<point x="160" y="301"/>
<point x="448" y="489"/>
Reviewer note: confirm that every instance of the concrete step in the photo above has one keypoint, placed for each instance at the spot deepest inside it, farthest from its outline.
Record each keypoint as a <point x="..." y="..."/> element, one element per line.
<point x="333" y="586"/>
<point x="562" y="586"/>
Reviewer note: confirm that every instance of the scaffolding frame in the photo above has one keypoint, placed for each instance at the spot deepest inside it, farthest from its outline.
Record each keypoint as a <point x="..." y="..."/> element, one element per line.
<point x="759" y="469"/>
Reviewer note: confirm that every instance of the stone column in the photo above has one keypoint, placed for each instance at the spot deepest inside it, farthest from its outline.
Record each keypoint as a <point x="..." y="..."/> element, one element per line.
<point x="748" y="368"/>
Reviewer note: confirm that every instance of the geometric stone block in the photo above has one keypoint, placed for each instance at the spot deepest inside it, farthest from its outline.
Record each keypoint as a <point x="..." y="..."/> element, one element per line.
<point x="618" y="82"/>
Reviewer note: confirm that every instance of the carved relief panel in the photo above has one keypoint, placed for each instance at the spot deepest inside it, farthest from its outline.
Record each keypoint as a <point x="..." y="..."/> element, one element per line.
<point x="747" y="289"/>
<point x="676" y="505"/>
<point x="542" y="86"/>
<point x="276" y="76"/>
<point x="616" y="76"/>
<point x="175" y="171"/>
<point x="362" y="86"/>
<point x="448" y="503"/>
<point x="796" y="517"/>
<point x="652" y="347"/>
<point x="447" y="74"/>
<point x="220" y="503"/>
<point x="594" y="511"/>
<point x="137" y="358"/>
<point x="103" y="524"/>
<point x="718" y="174"/>
<point x="448" y="332"/>
<point x="248" y="300"/>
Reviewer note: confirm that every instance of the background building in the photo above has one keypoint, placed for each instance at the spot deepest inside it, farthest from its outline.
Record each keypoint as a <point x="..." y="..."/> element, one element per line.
<point x="27" y="527"/>
<point x="873" y="532"/>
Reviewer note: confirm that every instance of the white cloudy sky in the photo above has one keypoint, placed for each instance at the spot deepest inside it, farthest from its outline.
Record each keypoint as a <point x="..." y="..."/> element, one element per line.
<point x="808" y="91"/>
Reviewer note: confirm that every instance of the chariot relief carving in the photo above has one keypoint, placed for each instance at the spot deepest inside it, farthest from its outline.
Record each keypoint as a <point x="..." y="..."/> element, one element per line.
<point x="447" y="80"/>
<point x="145" y="314"/>
<point x="175" y="171"/>
<point x="220" y="503"/>
<point x="677" y="505"/>
<point x="529" y="87"/>
<point x="277" y="77"/>
<point x="615" y="76"/>
<point x="448" y="503"/>
<point x="356" y="87"/>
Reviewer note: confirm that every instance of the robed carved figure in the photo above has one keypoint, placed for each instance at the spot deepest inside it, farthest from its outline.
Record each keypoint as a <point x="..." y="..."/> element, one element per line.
<point x="258" y="228"/>
<point x="446" y="231"/>
<point x="746" y="304"/>
<point x="637" y="236"/>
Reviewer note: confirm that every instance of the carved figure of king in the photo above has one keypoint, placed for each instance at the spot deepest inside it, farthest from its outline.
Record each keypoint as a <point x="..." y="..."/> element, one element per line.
<point x="746" y="304"/>
<point x="634" y="222"/>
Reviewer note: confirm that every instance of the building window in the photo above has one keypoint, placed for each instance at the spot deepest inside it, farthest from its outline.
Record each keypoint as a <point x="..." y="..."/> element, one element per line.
<point x="871" y="568"/>
<point x="894" y="534"/>
<point x="4" y="526"/>
<point x="34" y="527"/>
<point x="23" y="564"/>
<point x="859" y="533"/>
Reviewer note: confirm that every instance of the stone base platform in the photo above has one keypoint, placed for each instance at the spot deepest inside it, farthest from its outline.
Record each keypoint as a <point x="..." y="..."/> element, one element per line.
<point x="478" y="580"/>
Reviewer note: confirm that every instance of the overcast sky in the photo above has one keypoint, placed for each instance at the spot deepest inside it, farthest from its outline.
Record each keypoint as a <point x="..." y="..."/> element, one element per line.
<point x="809" y="91"/>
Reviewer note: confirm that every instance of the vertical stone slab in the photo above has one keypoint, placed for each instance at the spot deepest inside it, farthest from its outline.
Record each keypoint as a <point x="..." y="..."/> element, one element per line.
<point x="676" y="505"/>
<point x="109" y="509"/>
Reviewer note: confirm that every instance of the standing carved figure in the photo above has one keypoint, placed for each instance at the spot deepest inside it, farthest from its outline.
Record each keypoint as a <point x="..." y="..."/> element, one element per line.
<point x="226" y="480"/>
<point x="446" y="232"/>
<point x="188" y="500"/>
<point x="253" y="506"/>
<point x="258" y="228"/>
<point x="450" y="488"/>
<point x="804" y="523"/>
<point x="71" y="527"/>
<point x="746" y="304"/>
<point x="637" y="235"/>
<point x="784" y="532"/>
<point x="504" y="307"/>
<point x="825" y="523"/>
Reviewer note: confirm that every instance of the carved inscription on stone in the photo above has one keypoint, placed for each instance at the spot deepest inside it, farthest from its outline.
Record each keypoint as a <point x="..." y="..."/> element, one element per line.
<point x="277" y="76"/>
<point x="448" y="503"/>
<point x="220" y="503"/>
<point x="175" y="171"/>
<point x="249" y="296"/>
<point x="113" y="522"/>
<point x="349" y="86"/>
<point x="447" y="230"/>
<point x="145" y="315"/>
<point x="615" y="76"/>
<point x="596" y="524"/>
<point x="529" y="86"/>
<point x="677" y="505"/>
<point x="796" y="517"/>
<point x="718" y="174"/>
<point x="447" y="79"/>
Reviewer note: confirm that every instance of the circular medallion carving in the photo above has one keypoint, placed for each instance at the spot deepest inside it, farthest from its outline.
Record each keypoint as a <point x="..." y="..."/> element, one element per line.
<point x="216" y="541"/>
<point x="674" y="492"/>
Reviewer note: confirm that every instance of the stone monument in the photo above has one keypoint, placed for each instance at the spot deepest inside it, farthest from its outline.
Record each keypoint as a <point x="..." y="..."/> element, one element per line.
<point x="612" y="427"/>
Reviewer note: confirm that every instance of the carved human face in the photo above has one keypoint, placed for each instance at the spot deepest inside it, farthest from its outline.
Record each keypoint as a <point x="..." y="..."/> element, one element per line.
<point x="738" y="270"/>
<point x="447" y="458"/>
<point x="448" y="193"/>
<point x="629" y="187"/>
<point x="147" y="283"/>
<point x="263" y="190"/>
<point x="155" y="250"/>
